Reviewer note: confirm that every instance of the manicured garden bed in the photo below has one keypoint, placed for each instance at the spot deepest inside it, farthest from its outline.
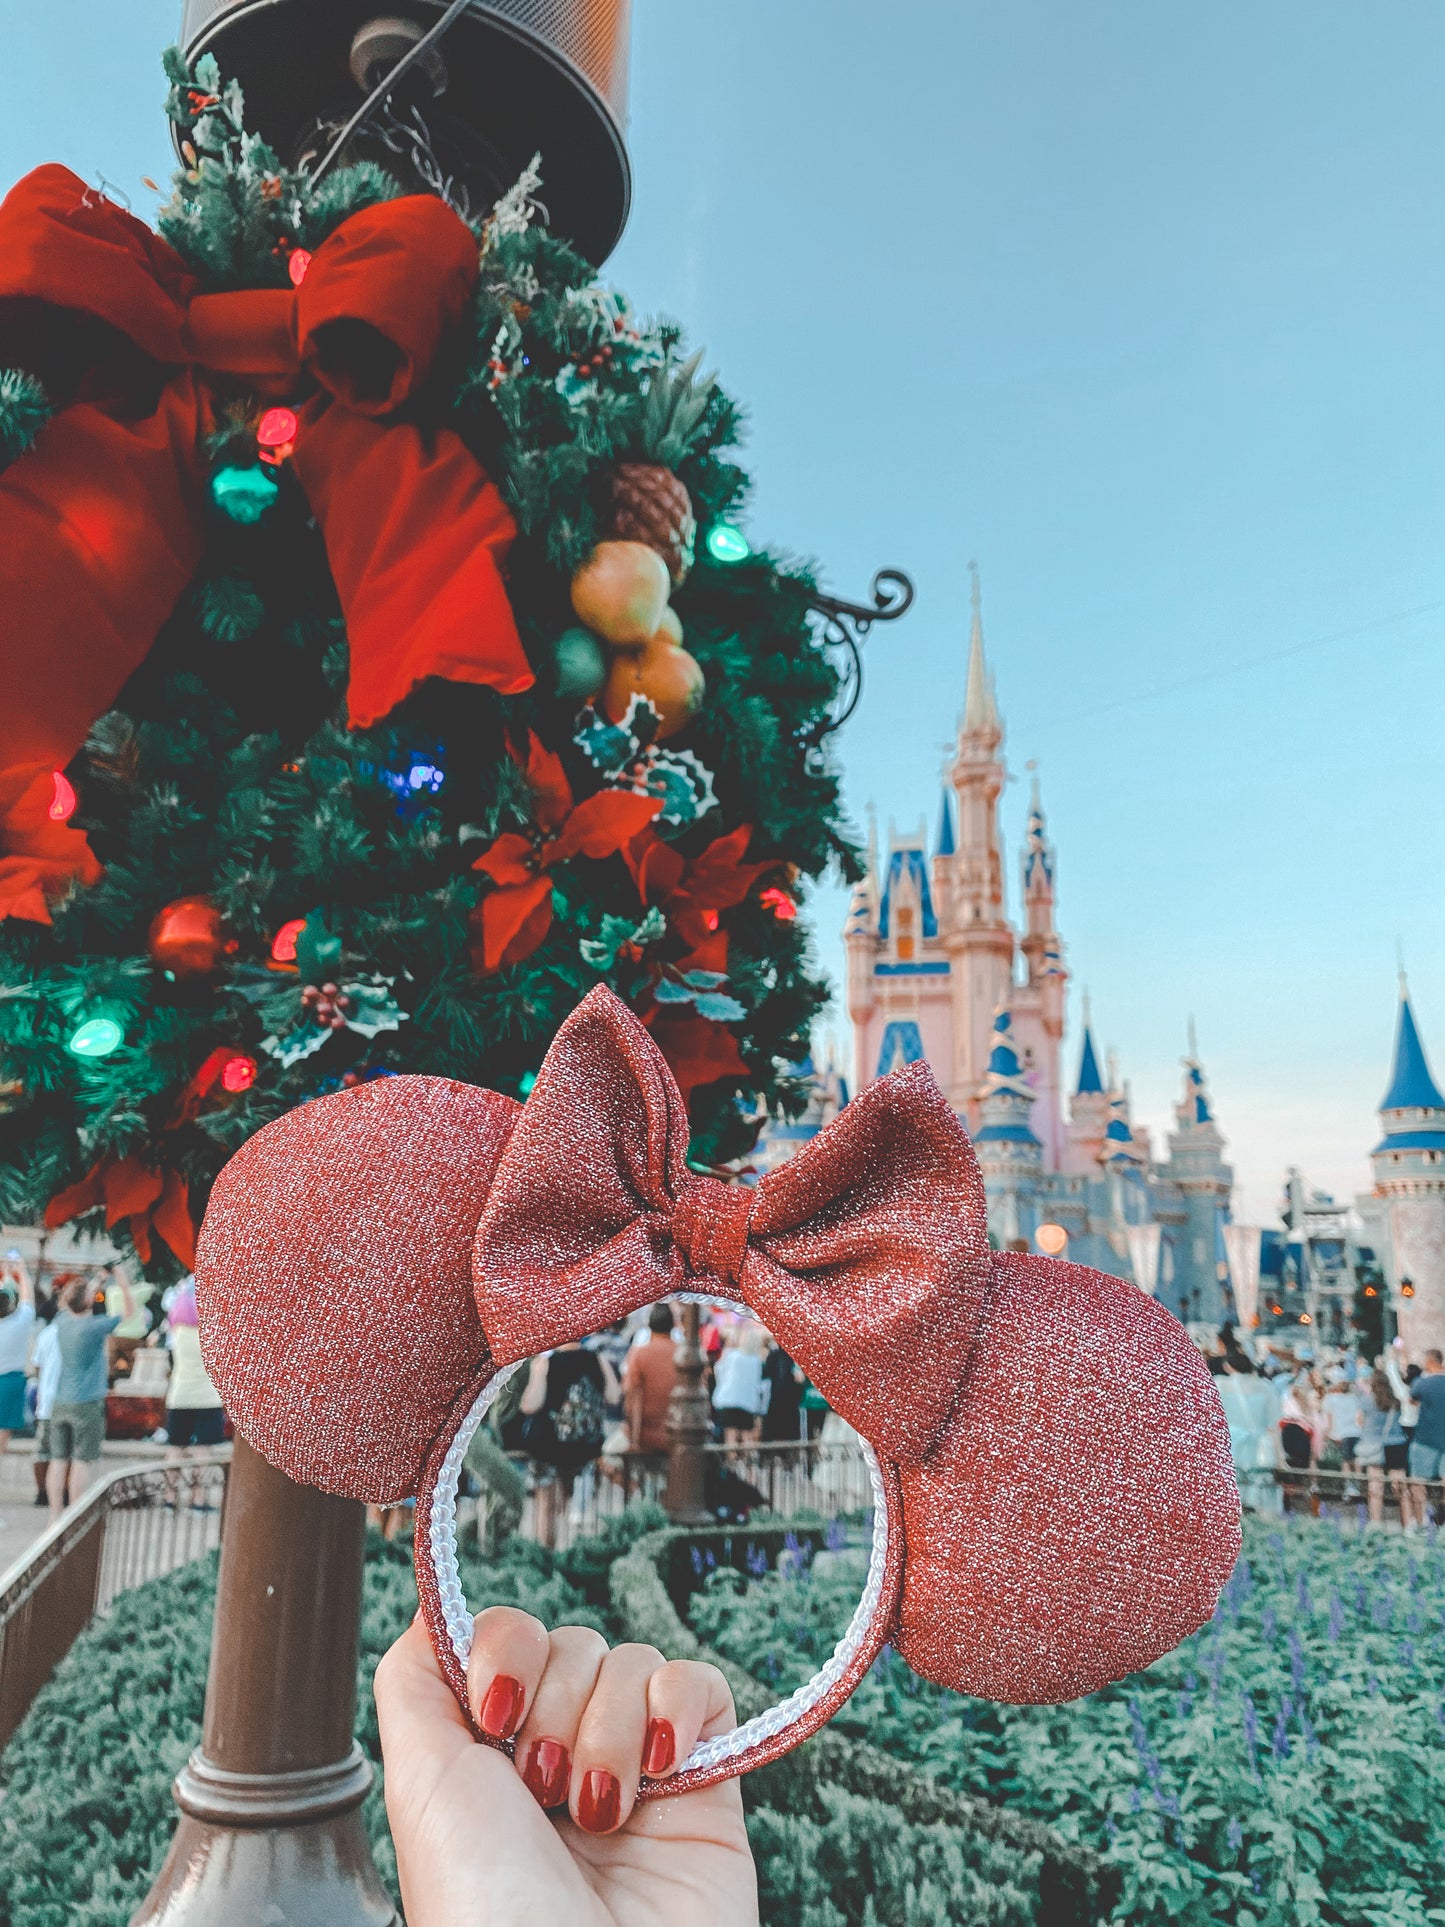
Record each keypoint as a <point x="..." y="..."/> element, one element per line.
<point x="86" y="1814"/>
<point x="1286" y="1765"/>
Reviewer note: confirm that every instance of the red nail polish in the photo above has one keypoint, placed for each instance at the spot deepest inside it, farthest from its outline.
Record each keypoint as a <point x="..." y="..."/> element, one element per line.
<point x="546" y="1773"/>
<point x="599" y="1803"/>
<point x="659" y="1749"/>
<point x="501" y="1712"/>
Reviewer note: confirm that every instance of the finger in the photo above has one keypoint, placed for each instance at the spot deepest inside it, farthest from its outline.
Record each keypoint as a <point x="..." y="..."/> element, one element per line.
<point x="548" y="1736"/>
<point x="684" y="1696"/>
<point x="608" y="1756"/>
<point x="504" y="1668"/>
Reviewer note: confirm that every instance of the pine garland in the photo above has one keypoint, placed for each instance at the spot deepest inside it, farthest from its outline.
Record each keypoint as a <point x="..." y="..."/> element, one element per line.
<point x="227" y="769"/>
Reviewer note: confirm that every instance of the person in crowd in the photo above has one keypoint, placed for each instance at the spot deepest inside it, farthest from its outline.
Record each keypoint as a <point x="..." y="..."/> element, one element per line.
<point x="1297" y="1422"/>
<point x="739" y="1388"/>
<point x="1251" y="1410"/>
<point x="193" y="1405"/>
<point x="783" y="1418"/>
<point x="1382" y="1448"/>
<point x="565" y="1413"/>
<point x="17" y="1330"/>
<point x="1427" y="1448"/>
<point x="648" y="1379"/>
<point x="45" y="1364"/>
<point x="1340" y="1412"/>
<point x="77" y="1423"/>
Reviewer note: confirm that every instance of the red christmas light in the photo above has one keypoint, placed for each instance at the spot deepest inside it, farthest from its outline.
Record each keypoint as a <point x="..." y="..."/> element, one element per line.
<point x="298" y="264"/>
<point x="710" y="919"/>
<point x="62" y="803"/>
<point x="238" y="1074"/>
<point x="783" y="907"/>
<point x="283" y="944"/>
<point x="276" y="429"/>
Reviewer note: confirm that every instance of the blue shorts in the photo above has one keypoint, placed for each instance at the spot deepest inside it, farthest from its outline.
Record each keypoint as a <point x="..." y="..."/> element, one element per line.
<point x="1425" y="1461"/>
<point x="12" y="1401"/>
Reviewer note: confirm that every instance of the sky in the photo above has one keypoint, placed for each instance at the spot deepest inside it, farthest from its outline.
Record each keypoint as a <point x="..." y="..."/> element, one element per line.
<point x="1142" y="308"/>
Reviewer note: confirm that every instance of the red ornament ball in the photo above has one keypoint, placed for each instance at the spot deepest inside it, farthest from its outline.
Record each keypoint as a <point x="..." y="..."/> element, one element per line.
<point x="296" y="267"/>
<point x="62" y="801"/>
<point x="190" y="939"/>
<point x="283" y="944"/>
<point x="277" y="428"/>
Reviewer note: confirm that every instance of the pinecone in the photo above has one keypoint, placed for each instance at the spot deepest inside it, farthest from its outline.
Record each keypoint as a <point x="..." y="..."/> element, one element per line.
<point x="649" y="504"/>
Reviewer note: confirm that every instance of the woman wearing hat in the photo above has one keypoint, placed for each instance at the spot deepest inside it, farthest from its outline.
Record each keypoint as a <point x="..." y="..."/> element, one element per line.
<point x="17" y="1328"/>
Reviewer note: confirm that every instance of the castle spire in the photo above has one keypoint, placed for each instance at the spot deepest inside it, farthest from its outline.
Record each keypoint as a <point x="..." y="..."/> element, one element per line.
<point x="1090" y="1083"/>
<point x="979" y="709"/>
<point x="1412" y="1088"/>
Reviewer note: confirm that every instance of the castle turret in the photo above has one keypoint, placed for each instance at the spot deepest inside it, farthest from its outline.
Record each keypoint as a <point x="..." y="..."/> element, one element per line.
<point x="1010" y="1155"/>
<point x="1196" y="1169"/>
<point x="1088" y="1109"/>
<point x="979" y="941"/>
<point x="1038" y="1006"/>
<point x="1409" y="1168"/>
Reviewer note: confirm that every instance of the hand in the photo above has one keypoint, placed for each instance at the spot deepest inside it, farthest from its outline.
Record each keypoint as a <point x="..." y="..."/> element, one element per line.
<point x="558" y="1835"/>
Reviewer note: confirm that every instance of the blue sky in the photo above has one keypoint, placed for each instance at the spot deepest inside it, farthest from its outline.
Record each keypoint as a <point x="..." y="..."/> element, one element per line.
<point x="1144" y="308"/>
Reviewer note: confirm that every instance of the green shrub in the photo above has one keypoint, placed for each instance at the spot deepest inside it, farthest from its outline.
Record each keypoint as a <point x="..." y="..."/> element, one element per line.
<point x="86" y="1813"/>
<point x="1282" y="1766"/>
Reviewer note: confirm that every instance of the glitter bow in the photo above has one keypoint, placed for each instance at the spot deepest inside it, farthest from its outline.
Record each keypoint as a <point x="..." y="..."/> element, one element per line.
<point x="877" y="1225"/>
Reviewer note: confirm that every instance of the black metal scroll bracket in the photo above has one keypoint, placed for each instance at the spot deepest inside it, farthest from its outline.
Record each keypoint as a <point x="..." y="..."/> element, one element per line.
<point x="843" y="626"/>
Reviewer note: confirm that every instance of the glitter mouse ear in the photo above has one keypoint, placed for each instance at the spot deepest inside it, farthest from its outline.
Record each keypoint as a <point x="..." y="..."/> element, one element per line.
<point x="334" y="1279"/>
<point x="1081" y="1514"/>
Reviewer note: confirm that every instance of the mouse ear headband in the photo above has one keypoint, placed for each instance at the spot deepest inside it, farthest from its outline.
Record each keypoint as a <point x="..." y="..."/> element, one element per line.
<point x="1055" y="1504"/>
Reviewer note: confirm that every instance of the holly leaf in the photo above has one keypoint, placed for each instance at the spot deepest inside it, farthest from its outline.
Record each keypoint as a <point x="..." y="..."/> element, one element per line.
<point x="704" y="979"/>
<point x="667" y="990"/>
<point x="302" y="1042"/>
<point x="722" y="1010"/>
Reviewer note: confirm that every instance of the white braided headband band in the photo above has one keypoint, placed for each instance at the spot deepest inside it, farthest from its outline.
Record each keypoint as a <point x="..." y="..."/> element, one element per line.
<point x="725" y="1747"/>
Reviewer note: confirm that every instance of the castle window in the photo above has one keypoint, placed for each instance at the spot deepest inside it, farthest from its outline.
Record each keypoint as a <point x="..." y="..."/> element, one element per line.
<point x="905" y="935"/>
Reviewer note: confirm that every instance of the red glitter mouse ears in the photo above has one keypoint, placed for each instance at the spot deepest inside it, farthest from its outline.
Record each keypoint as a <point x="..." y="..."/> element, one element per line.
<point x="1055" y="1503"/>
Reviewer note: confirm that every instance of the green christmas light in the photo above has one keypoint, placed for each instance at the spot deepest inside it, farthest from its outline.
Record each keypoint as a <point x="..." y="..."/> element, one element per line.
<point x="727" y="544"/>
<point x="243" y="494"/>
<point x="96" y="1037"/>
<point x="526" y="1082"/>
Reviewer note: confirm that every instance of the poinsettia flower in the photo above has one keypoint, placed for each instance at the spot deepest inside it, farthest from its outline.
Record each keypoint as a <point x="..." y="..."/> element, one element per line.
<point x="512" y="919"/>
<point x="692" y="892"/>
<point x="145" y="1199"/>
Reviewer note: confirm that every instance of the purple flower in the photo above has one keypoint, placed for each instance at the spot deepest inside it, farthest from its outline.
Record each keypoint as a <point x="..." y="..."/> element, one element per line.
<point x="1311" y="1738"/>
<point x="1337" y="1619"/>
<point x="1136" y="1800"/>
<point x="1251" y="1731"/>
<point x="1302" y="1595"/>
<point x="1279" y="1740"/>
<point x="1234" y="1835"/>
<point x="1268" y="1625"/>
<point x="837" y="1535"/>
<point x="1407" y="1651"/>
<point x="1296" y="1661"/>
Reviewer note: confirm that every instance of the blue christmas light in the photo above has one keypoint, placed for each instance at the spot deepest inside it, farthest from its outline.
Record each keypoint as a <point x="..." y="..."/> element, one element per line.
<point x="96" y="1037"/>
<point x="727" y="544"/>
<point x="424" y="776"/>
<point x="243" y="494"/>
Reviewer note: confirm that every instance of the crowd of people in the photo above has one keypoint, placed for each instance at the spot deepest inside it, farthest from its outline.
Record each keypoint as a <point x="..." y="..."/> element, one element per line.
<point x="62" y="1347"/>
<point x="599" y="1405"/>
<point x="1334" y="1425"/>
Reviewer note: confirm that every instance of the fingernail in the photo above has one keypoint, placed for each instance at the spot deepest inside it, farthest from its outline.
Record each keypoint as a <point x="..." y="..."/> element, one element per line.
<point x="600" y="1801"/>
<point x="659" y="1749"/>
<point x="545" y="1774"/>
<point x="501" y="1711"/>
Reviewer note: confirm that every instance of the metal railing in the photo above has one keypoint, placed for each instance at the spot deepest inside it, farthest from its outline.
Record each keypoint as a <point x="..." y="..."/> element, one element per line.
<point x="130" y="1527"/>
<point x="784" y="1479"/>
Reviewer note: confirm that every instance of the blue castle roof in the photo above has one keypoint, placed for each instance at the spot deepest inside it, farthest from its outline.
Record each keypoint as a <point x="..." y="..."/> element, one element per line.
<point x="946" y="845"/>
<point x="1090" y="1083"/>
<point x="1412" y="1088"/>
<point x="911" y="863"/>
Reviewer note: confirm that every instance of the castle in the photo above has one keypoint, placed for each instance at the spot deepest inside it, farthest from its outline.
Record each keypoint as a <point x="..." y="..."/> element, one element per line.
<point x="936" y="970"/>
<point x="1405" y="1214"/>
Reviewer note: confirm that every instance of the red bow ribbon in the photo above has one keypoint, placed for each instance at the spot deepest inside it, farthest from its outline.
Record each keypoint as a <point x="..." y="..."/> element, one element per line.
<point x="103" y="521"/>
<point x="866" y="1255"/>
